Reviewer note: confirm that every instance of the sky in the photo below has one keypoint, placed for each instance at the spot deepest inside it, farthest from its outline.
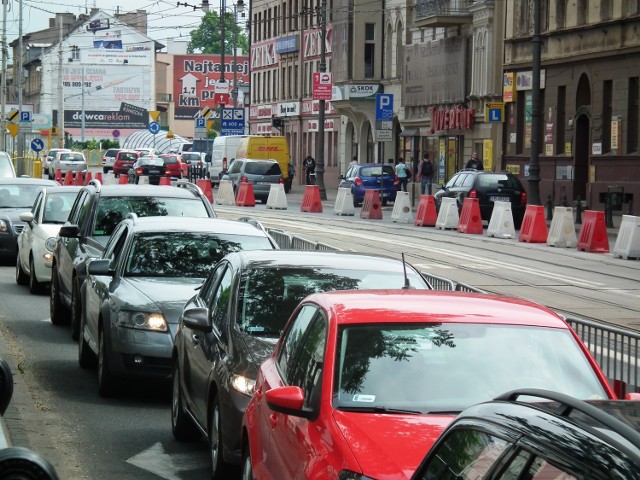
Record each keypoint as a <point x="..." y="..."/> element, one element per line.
<point x="165" y="20"/>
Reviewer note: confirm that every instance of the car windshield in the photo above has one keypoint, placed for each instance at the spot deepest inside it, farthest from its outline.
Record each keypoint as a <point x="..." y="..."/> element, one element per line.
<point x="191" y="157"/>
<point x="57" y="207"/>
<point x="496" y="181"/>
<point x="128" y="156"/>
<point x="72" y="157"/>
<point x="170" y="160"/>
<point x="150" y="161"/>
<point x="185" y="254"/>
<point x="376" y="171"/>
<point x="262" y="168"/>
<point x="111" y="210"/>
<point x="18" y="196"/>
<point x="449" y="367"/>
<point x="268" y="296"/>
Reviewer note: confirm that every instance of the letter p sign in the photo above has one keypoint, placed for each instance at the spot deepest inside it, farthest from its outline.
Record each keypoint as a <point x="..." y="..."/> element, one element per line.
<point x="384" y="107"/>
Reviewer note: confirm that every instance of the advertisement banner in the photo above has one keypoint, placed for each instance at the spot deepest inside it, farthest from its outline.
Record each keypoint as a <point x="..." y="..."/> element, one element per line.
<point x="195" y="81"/>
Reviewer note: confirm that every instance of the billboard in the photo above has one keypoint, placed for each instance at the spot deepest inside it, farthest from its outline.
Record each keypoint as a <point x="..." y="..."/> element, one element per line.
<point x="196" y="81"/>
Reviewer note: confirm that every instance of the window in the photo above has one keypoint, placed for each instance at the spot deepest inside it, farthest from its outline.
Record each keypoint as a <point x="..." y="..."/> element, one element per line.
<point x="607" y="109"/>
<point x="219" y="305"/>
<point x="75" y="53"/>
<point x="293" y="337"/>
<point x="206" y="292"/>
<point x="633" y="109"/>
<point x="37" y="206"/>
<point x="561" y="119"/>
<point x="369" y="50"/>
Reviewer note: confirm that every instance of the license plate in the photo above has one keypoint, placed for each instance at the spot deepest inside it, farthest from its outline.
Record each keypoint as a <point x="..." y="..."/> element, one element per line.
<point x="154" y="172"/>
<point x="499" y="199"/>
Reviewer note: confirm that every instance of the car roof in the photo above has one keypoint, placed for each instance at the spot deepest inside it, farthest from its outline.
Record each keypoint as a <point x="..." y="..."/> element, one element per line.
<point x="28" y="181"/>
<point x="131" y="190"/>
<point x="58" y="189"/>
<point x="187" y="224"/>
<point x="315" y="258"/>
<point x="358" y="306"/>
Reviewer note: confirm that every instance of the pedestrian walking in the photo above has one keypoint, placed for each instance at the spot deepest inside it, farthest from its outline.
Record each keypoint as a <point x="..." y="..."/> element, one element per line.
<point x="425" y="174"/>
<point x="475" y="162"/>
<point x="309" y="166"/>
<point x="403" y="173"/>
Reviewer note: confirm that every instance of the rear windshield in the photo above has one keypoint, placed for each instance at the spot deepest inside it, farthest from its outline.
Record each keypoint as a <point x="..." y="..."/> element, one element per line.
<point x="497" y="181"/>
<point x="262" y="168"/>
<point x="170" y="159"/>
<point x="128" y="156"/>
<point x="376" y="171"/>
<point x="72" y="157"/>
<point x="111" y="210"/>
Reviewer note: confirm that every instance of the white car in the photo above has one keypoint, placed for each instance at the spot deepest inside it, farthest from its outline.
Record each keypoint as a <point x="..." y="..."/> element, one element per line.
<point x="46" y="163"/>
<point x="68" y="162"/>
<point x="147" y="152"/>
<point x="37" y="240"/>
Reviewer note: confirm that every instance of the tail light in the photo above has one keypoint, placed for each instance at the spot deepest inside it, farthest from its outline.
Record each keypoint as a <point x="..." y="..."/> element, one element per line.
<point x="523" y="198"/>
<point x="395" y="179"/>
<point x="357" y="181"/>
<point x="281" y="180"/>
<point x="243" y="179"/>
<point x="167" y="172"/>
<point x="138" y="171"/>
<point x="473" y="194"/>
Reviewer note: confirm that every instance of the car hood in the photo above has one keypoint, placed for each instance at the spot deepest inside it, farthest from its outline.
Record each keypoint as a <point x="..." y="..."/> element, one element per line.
<point x="385" y="444"/>
<point x="168" y="294"/>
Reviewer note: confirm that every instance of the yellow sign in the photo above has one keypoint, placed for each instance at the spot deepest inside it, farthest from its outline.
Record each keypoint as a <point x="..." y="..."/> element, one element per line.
<point x="210" y="125"/>
<point x="169" y="134"/>
<point x="154" y="114"/>
<point x="508" y="87"/>
<point x="14" y="114"/>
<point x="206" y="112"/>
<point x="515" y="169"/>
<point x="13" y="129"/>
<point x="494" y="112"/>
<point x="487" y="154"/>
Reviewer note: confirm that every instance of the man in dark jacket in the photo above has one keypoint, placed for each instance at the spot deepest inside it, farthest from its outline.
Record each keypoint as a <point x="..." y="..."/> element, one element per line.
<point x="475" y="162"/>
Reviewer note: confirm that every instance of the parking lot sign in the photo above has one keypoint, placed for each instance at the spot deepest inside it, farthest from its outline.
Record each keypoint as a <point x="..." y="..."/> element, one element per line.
<point x="384" y="106"/>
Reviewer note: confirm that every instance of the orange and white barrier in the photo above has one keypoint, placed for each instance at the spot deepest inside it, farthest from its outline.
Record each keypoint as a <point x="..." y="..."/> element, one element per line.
<point x="470" y="218"/>
<point x="427" y="214"/>
<point x="245" y="197"/>
<point x="534" y="225"/>
<point x="371" y="207"/>
<point x="205" y="186"/>
<point x="593" y="233"/>
<point x="311" y="201"/>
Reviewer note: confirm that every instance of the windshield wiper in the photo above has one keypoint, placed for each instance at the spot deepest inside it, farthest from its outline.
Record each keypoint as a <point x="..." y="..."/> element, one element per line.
<point x="380" y="409"/>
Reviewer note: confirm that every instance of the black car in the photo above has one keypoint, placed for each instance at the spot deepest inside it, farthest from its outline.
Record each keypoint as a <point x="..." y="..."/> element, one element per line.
<point x="234" y="322"/>
<point x="16" y="196"/>
<point x="151" y="167"/>
<point x="487" y="187"/>
<point x="95" y="214"/>
<point x="258" y="173"/>
<point x="559" y="437"/>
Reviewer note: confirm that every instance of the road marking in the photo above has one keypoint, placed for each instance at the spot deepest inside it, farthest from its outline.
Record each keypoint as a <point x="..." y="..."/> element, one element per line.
<point x="167" y="466"/>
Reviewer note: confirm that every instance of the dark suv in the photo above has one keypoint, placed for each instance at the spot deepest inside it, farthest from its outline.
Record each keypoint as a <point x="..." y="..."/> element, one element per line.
<point x="561" y="438"/>
<point x="96" y="212"/>
<point x="487" y="187"/>
<point x="259" y="173"/>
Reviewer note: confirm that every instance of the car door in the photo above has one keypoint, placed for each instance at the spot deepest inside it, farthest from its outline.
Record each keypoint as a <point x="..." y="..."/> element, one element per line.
<point x="207" y="348"/>
<point x="68" y="246"/>
<point x="25" y="239"/>
<point x="294" y="442"/>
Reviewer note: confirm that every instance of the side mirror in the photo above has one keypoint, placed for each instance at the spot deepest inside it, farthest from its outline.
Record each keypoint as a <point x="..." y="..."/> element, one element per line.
<point x="197" y="318"/>
<point x="26" y="217"/>
<point x="98" y="266"/>
<point x="70" y="231"/>
<point x="287" y="400"/>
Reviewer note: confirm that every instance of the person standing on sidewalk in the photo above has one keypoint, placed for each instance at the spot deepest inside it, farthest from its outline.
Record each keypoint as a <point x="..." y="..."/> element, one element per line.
<point x="309" y="165"/>
<point x="425" y="174"/>
<point x="403" y="173"/>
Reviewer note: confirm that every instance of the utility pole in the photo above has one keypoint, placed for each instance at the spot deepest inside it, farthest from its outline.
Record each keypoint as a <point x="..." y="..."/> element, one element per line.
<point x="60" y="91"/>
<point x="321" y="106"/>
<point x="21" y="139"/>
<point x="223" y="14"/>
<point x="3" y="106"/>
<point x="536" y="110"/>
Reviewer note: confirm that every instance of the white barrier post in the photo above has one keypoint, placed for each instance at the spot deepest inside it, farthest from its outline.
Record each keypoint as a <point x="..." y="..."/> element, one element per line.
<point x="277" y="198"/>
<point x="501" y="222"/>
<point x="628" y="240"/>
<point x="402" y="209"/>
<point x="225" y="193"/>
<point x="562" y="232"/>
<point x="448" y="216"/>
<point x="344" y="202"/>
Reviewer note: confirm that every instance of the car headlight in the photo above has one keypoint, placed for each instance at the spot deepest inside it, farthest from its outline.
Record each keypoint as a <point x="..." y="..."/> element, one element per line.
<point x="3" y="227"/>
<point x="349" y="475"/>
<point x="50" y="244"/>
<point x="142" y="321"/>
<point x="242" y="384"/>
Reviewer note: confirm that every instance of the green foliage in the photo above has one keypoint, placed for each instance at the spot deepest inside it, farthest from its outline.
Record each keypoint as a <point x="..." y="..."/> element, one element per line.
<point x="207" y="37"/>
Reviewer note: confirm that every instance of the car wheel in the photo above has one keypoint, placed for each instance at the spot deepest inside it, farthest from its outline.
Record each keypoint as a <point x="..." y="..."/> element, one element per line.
<point x="21" y="276"/>
<point x="182" y="426"/>
<point x="384" y="202"/>
<point x="105" y="170"/>
<point x="57" y="311"/>
<point x="35" y="286"/>
<point x="247" y="470"/>
<point x="86" y="357"/>
<point x="106" y="384"/>
<point x="76" y="309"/>
<point x="218" y="465"/>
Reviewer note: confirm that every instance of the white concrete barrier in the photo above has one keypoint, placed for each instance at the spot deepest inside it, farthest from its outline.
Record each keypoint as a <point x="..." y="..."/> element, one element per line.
<point x="109" y="179"/>
<point x="344" y="202"/>
<point x="448" y="216"/>
<point x="143" y="180"/>
<point x="562" y="232"/>
<point x="225" y="193"/>
<point x="402" y="209"/>
<point x="501" y="222"/>
<point x="628" y="240"/>
<point x="277" y="198"/>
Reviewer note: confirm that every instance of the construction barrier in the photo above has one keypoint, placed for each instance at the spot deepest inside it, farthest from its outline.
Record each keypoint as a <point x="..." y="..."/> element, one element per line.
<point x="164" y="181"/>
<point x="68" y="179"/>
<point x="501" y="222"/>
<point x="371" y="207"/>
<point x="562" y="232"/>
<point x="124" y="179"/>
<point x="225" y="193"/>
<point x="98" y="177"/>
<point x="534" y="225"/>
<point x="470" y="218"/>
<point x="79" y="179"/>
<point x="402" y="208"/>
<point x="593" y="233"/>
<point x="205" y="186"/>
<point x="427" y="214"/>
<point x="277" y="198"/>
<point x="311" y="200"/>
<point x="245" y="197"/>
<point x="58" y="176"/>
<point x="143" y="180"/>
<point x="344" y="202"/>
<point x="110" y="179"/>
<point x="448" y="215"/>
<point x="628" y="240"/>
<point x="87" y="177"/>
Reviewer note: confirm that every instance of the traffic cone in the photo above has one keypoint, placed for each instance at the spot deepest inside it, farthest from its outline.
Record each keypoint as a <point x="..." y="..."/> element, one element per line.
<point x="427" y="214"/>
<point x="87" y="177"/>
<point x="245" y="196"/>
<point x="123" y="179"/>
<point x="58" y="176"/>
<point x="593" y="233"/>
<point x="311" y="200"/>
<point x="99" y="177"/>
<point x="470" y="218"/>
<point x="79" y="180"/>
<point x="68" y="179"/>
<point x="205" y="186"/>
<point x="371" y="208"/>
<point x="534" y="225"/>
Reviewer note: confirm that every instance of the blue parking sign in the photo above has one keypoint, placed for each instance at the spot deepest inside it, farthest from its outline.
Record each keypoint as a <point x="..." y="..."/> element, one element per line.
<point x="384" y="106"/>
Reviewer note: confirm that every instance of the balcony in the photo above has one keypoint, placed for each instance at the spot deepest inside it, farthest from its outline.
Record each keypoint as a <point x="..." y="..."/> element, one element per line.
<point x="442" y="13"/>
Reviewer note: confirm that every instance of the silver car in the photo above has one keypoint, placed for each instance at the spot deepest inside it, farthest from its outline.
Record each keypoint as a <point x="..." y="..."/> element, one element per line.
<point x="259" y="173"/>
<point x="134" y="294"/>
<point x="68" y="162"/>
<point x="48" y="158"/>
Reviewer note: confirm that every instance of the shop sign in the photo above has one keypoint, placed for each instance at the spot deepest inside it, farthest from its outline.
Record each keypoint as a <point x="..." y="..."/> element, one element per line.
<point x="288" y="109"/>
<point x="288" y="44"/>
<point x="451" y="119"/>
<point x="524" y="80"/>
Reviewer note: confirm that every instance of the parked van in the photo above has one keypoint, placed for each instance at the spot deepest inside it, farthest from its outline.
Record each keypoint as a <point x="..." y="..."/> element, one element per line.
<point x="262" y="147"/>
<point x="223" y="152"/>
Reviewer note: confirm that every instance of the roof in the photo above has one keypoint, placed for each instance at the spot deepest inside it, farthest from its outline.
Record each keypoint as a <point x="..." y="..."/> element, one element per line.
<point x="437" y="306"/>
<point x="59" y="189"/>
<point x="187" y="224"/>
<point x="28" y="181"/>
<point x="131" y="190"/>
<point x="313" y="258"/>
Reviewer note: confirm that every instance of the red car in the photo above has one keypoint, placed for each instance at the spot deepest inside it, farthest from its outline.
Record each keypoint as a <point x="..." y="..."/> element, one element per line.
<point x="176" y="168"/>
<point x="362" y="383"/>
<point x="124" y="161"/>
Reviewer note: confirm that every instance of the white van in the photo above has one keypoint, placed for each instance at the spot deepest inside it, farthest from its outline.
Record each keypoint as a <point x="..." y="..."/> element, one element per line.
<point x="223" y="153"/>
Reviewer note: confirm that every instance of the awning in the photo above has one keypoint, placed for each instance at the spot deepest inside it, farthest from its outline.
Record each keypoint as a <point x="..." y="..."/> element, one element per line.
<point x="410" y="132"/>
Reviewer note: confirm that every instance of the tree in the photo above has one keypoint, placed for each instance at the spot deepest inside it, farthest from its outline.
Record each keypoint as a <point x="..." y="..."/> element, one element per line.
<point x="206" y="38"/>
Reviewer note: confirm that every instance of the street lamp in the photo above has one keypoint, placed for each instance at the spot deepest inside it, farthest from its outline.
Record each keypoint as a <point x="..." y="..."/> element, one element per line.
<point x="239" y="6"/>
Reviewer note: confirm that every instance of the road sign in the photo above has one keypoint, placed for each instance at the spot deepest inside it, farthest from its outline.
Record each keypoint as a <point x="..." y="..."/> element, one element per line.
<point x="322" y="86"/>
<point x="154" y="114"/>
<point x="37" y="145"/>
<point x="201" y="122"/>
<point x="232" y="122"/>
<point x="384" y="106"/>
<point x="494" y="112"/>
<point x="384" y="135"/>
<point x="25" y="116"/>
<point x="154" y="127"/>
<point x="13" y="115"/>
<point x="13" y="129"/>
